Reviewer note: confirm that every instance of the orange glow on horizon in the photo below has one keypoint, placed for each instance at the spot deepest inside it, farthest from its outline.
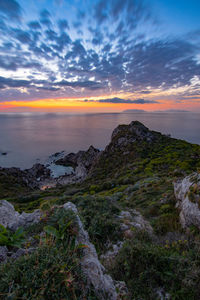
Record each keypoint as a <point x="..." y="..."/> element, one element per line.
<point x="78" y="104"/>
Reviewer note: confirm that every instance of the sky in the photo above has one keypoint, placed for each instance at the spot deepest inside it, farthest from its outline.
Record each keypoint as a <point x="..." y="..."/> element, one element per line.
<point x="99" y="55"/>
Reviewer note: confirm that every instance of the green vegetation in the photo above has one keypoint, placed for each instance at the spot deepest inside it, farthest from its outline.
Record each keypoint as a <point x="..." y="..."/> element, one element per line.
<point x="11" y="239"/>
<point x="147" y="266"/>
<point x="53" y="270"/>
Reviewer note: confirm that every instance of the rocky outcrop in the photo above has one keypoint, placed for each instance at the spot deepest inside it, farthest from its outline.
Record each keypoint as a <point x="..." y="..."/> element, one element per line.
<point x="81" y="158"/>
<point x="187" y="192"/>
<point x="92" y="268"/>
<point x="30" y="177"/>
<point x="11" y="219"/>
<point x="133" y="219"/>
<point x="128" y="134"/>
<point x="77" y="167"/>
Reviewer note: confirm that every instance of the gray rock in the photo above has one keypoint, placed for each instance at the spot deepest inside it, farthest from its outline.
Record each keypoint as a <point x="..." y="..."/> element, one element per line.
<point x="187" y="193"/>
<point x="109" y="257"/>
<point x="11" y="219"/>
<point x="134" y="219"/>
<point x="3" y="254"/>
<point x="92" y="268"/>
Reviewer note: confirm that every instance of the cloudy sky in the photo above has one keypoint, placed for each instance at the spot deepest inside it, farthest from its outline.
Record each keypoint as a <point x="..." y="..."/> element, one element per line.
<point x="106" y="55"/>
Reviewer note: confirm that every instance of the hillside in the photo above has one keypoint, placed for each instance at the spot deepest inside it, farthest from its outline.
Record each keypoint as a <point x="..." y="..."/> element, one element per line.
<point x="126" y="226"/>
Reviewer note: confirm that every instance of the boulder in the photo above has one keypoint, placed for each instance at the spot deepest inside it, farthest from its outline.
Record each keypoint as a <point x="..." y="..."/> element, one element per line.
<point x="187" y="193"/>
<point x="11" y="219"/>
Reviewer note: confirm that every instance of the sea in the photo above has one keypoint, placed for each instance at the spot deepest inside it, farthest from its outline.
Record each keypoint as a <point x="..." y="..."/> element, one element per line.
<point x="28" y="138"/>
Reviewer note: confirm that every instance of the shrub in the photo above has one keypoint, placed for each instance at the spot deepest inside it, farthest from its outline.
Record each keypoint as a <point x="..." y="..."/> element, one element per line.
<point x="11" y="239"/>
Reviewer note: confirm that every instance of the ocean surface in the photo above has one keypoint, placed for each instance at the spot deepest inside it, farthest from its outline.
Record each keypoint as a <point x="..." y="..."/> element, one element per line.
<point x="28" y="139"/>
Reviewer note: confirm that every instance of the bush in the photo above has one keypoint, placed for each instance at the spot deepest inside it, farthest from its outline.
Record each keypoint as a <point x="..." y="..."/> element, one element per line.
<point x="11" y="239"/>
<point x="146" y="267"/>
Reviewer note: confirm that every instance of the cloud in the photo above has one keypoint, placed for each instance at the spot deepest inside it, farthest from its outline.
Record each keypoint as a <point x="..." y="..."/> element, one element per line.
<point x="8" y="82"/>
<point x="11" y="9"/>
<point x="63" y="24"/>
<point x="119" y="100"/>
<point x="113" y="55"/>
<point x="92" y="85"/>
<point x="14" y="62"/>
<point x="34" y="25"/>
<point x="45" y="18"/>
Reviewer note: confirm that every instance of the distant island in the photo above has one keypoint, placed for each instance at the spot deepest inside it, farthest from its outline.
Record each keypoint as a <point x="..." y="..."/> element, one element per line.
<point x="155" y="111"/>
<point x="134" y="110"/>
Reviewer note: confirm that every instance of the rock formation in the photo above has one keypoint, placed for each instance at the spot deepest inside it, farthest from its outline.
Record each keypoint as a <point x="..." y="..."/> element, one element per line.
<point x="92" y="268"/>
<point x="11" y="219"/>
<point x="187" y="192"/>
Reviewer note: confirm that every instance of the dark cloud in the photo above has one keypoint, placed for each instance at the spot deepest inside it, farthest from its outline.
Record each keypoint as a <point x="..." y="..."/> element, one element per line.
<point x="145" y="92"/>
<point x="51" y="89"/>
<point x="119" y="100"/>
<point x="162" y="64"/>
<point x="45" y="18"/>
<point x="14" y="63"/>
<point x="11" y="9"/>
<point x="8" y="82"/>
<point x="34" y="25"/>
<point x="63" y="24"/>
<point x="91" y="85"/>
<point x="22" y="36"/>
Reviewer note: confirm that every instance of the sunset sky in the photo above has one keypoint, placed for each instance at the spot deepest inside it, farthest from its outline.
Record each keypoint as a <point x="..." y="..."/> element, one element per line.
<point x="97" y="56"/>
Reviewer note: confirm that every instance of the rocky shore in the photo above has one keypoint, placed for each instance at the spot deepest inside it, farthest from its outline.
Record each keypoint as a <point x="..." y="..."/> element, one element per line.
<point x="59" y="169"/>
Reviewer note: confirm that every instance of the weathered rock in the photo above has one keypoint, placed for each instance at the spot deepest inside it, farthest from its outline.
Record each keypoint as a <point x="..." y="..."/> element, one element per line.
<point x="92" y="268"/>
<point x="85" y="158"/>
<point x="187" y="192"/>
<point x="134" y="219"/>
<point x="11" y="219"/>
<point x="135" y="131"/>
<point x="3" y="254"/>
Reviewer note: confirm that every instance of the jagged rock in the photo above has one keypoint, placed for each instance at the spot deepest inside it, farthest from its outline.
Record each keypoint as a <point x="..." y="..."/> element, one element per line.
<point x="3" y="254"/>
<point x="135" y="131"/>
<point x="38" y="171"/>
<point x="11" y="219"/>
<point x="85" y="158"/>
<point x="92" y="268"/>
<point x="187" y="192"/>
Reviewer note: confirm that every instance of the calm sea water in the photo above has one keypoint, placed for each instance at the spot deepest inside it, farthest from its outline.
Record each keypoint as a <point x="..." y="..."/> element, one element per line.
<point x="32" y="138"/>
